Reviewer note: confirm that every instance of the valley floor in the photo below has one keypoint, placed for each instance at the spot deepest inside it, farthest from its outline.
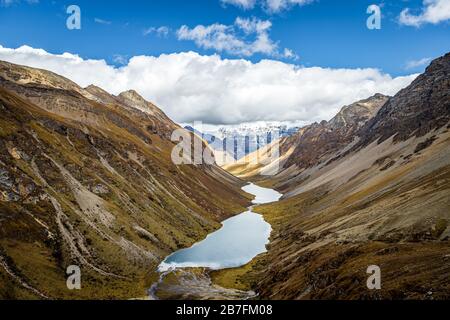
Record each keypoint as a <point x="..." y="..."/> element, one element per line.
<point x="321" y="247"/>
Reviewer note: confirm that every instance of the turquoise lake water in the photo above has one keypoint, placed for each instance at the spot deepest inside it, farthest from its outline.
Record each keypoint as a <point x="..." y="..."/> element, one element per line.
<point x="240" y="239"/>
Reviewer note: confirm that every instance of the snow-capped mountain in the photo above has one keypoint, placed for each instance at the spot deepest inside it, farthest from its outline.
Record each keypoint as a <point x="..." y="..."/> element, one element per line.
<point x="232" y="142"/>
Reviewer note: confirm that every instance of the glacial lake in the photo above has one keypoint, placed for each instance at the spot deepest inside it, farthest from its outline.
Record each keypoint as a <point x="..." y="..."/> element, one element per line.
<point x="240" y="239"/>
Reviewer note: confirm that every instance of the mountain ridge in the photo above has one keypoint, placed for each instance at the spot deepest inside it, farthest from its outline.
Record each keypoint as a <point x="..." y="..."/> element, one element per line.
<point x="376" y="194"/>
<point x="89" y="183"/>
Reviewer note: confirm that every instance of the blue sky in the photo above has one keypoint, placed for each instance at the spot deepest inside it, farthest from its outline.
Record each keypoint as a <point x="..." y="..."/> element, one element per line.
<point x="326" y="33"/>
<point x="231" y="61"/>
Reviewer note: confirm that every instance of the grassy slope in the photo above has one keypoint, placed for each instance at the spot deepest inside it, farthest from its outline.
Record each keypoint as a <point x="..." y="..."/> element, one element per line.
<point x="324" y="239"/>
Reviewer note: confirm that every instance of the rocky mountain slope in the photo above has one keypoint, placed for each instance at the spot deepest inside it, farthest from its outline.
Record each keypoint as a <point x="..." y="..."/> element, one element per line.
<point x="370" y="187"/>
<point x="314" y="143"/>
<point x="86" y="179"/>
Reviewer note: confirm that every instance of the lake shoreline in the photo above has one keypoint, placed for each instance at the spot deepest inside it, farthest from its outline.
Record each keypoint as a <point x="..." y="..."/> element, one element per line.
<point x="220" y="250"/>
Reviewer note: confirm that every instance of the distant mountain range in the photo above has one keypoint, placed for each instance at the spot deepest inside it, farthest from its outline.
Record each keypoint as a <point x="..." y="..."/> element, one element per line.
<point x="231" y="143"/>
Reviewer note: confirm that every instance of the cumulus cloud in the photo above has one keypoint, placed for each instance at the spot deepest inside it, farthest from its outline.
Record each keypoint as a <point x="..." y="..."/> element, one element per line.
<point x="433" y="11"/>
<point x="244" y="4"/>
<point x="192" y="87"/>
<point x="288" y="53"/>
<point x="280" y="5"/>
<point x="271" y="6"/>
<point x="246" y="37"/>
<point x="120" y="59"/>
<point x="162" y="31"/>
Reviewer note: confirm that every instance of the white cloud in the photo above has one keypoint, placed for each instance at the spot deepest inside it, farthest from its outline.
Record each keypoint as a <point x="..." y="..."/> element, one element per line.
<point x="253" y="25"/>
<point x="280" y="5"/>
<point x="413" y="64"/>
<point x="162" y="31"/>
<point x="244" y="4"/>
<point x="190" y="87"/>
<point x="289" y="54"/>
<point x="433" y="11"/>
<point x="7" y="3"/>
<point x="245" y="37"/>
<point x="101" y="21"/>
<point x="120" y="59"/>
<point x="271" y="6"/>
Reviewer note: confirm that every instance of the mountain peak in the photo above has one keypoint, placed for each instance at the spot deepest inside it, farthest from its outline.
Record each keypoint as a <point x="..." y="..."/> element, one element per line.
<point x="439" y="64"/>
<point x="22" y="75"/>
<point x="93" y="87"/>
<point x="132" y="95"/>
<point x="100" y="95"/>
<point x="416" y="110"/>
<point x="359" y="112"/>
<point x="135" y="100"/>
